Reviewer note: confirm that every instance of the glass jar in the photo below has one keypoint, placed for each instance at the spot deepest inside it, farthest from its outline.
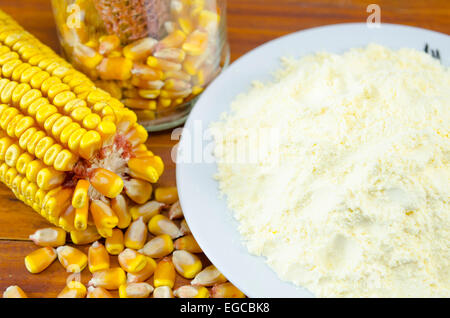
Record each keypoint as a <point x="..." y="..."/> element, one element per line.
<point x="156" y="56"/>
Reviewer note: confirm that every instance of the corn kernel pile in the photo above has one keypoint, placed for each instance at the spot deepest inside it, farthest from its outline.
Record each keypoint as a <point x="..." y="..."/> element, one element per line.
<point x="150" y="75"/>
<point x="77" y="156"/>
<point x="156" y="245"/>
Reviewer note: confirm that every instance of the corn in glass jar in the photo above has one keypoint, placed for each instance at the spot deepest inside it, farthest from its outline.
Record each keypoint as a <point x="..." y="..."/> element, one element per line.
<point x="156" y="56"/>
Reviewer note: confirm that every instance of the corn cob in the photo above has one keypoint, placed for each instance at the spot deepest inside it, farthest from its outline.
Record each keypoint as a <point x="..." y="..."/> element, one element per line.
<point x="66" y="147"/>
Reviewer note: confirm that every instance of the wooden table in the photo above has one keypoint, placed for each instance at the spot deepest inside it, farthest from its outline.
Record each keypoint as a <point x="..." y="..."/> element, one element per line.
<point x="250" y="23"/>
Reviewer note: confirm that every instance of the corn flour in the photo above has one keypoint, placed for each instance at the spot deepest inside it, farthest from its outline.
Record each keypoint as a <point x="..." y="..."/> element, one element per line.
<point x="357" y="204"/>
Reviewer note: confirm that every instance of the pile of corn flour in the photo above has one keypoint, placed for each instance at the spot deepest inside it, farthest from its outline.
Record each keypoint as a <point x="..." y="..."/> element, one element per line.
<point x="357" y="202"/>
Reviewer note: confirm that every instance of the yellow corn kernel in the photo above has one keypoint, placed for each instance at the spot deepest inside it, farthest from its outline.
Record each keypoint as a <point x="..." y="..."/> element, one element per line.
<point x="115" y="68"/>
<point x="75" y="139"/>
<point x="56" y="201"/>
<point x="175" y="211"/>
<point x="85" y="237"/>
<point x="111" y="278"/>
<point x="25" y="123"/>
<point x="39" y="199"/>
<point x="79" y="113"/>
<point x="51" y="154"/>
<point x="226" y="290"/>
<point x="146" y="84"/>
<point x="9" y="67"/>
<point x="106" y="129"/>
<point x="188" y="291"/>
<point x="192" y="64"/>
<point x="105" y="231"/>
<point x="12" y="155"/>
<point x="186" y="264"/>
<point x="81" y="218"/>
<point x="98" y="257"/>
<point x="187" y="243"/>
<point x="73" y="289"/>
<point x="65" y="160"/>
<point x="136" y="234"/>
<point x="185" y="25"/>
<point x="62" y="98"/>
<point x="87" y="56"/>
<point x="163" y="292"/>
<point x="146" y="168"/>
<point x="91" y="121"/>
<point x="106" y="182"/>
<point x="49" y="178"/>
<point x="75" y="103"/>
<point x="33" y="169"/>
<point x="120" y="207"/>
<point x="148" y="93"/>
<point x="135" y="290"/>
<point x="209" y="276"/>
<point x="72" y="259"/>
<point x="173" y="84"/>
<point x="22" y="162"/>
<point x="114" y="244"/>
<point x="168" y="195"/>
<point x="67" y="132"/>
<point x="5" y="143"/>
<point x="89" y="144"/>
<point x="145" y="115"/>
<point x="164" y="65"/>
<point x="132" y="261"/>
<point x="108" y="43"/>
<point x="164" y="273"/>
<point x="40" y="259"/>
<point x="160" y="224"/>
<point x="42" y="146"/>
<point x="36" y="105"/>
<point x="173" y="94"/>
<point x="144" y="273"/>
<point x="38" y="78"/>
<point x="51" y="236"/>
<point x="7" y="117"/>
<point x="138" y="190"/>
<point x="9" y="176"/>
<point x="34" y="139"/>
<point x="139" y="103"/>
<point x="146" y="211"/>
<point x="174" y="39"/>
<point x="140" y="49"/>
<point x="208" y="20"/>
<point x="66" y="219"/>
<point x="14" y="292"/>
<point x="159" y="246"/>
<point x="171" y="54"/>
<point x="145" y="73"/>
<point x="97" y="292"/>
<point x="48" y="84"/>
<point x="80" y="195"/>
<point x="56" y="89"/>
<point x="10" y="129"/>
<point x="59" y="125"/>
<point x="103" y="215"/>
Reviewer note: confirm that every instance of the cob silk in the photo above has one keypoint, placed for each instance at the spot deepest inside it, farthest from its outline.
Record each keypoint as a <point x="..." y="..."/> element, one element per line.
<point x="67" y="149"/>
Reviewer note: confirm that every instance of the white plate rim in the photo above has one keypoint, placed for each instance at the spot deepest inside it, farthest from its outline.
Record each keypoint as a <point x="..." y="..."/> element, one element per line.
<point x="224" y="253"/>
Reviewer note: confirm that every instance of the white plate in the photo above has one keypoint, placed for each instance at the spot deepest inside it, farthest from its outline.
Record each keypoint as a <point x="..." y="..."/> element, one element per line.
<point x="206" y="213"/>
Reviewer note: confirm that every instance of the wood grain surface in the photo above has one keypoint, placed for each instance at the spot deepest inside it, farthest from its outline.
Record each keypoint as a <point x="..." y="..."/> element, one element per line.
<point x="250" y="23"/>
